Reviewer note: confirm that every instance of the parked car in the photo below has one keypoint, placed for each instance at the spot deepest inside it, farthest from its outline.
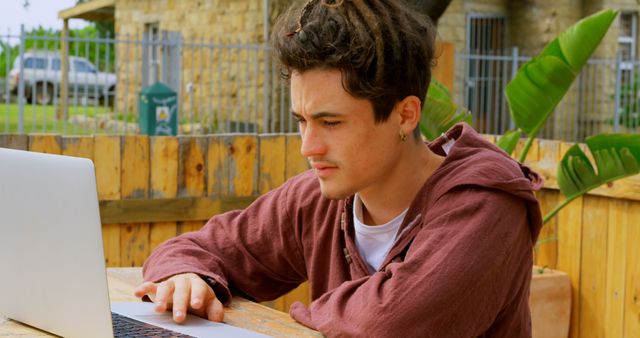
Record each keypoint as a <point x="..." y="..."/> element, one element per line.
<point x="42" y="78"/>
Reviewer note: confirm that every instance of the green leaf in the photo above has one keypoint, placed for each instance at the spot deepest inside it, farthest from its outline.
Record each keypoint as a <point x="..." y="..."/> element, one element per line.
<point x="438" y="91"/>
<point x="616" y="156"/>
<point x="509" y="140"/>
<point x="439" y="113"/>
<point x="542" y="82"/>
<point x="579" y="41"/>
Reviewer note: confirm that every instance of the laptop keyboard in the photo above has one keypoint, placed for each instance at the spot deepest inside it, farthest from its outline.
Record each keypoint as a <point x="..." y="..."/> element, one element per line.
<point x="125" y="327"/>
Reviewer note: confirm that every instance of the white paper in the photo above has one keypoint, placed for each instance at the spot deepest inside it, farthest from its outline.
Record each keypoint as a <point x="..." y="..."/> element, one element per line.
<point x="193" y="325"/>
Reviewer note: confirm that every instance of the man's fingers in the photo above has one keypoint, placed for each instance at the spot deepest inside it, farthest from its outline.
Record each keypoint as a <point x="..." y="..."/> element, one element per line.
<point x="200" y="292"/>
<point x="146" y="288"/>
<point x="215" y="311"/>
<point x="164" y="295"/>
<point x="183" y="293"/>
<point x="181" y="298"/>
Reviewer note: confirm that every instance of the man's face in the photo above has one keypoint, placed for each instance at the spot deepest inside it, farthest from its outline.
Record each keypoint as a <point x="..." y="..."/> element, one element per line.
<point x="348" y="151"/>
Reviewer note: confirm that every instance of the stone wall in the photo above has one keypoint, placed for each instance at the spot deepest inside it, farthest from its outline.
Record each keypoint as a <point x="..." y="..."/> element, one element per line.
<point x="217" y="83"/>
<point x="452" y="25"/>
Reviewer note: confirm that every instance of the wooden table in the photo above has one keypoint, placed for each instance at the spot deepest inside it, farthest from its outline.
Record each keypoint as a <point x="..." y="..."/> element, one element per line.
<point x="241" y="313"/>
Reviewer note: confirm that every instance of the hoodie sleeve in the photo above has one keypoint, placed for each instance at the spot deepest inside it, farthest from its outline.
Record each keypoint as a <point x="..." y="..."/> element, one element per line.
<point x="254" y="251"/>
<point x="469" y="264"/>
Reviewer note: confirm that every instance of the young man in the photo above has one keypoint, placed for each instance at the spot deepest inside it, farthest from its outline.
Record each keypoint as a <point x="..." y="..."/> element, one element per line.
<point x="396" y="237"/>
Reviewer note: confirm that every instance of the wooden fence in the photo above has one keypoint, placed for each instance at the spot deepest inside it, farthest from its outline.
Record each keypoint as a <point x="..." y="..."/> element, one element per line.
<point x="153" y="188"/>
<point x="596" y="240"/>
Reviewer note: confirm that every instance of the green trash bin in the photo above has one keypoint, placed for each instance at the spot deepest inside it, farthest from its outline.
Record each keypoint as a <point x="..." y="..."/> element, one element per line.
<point x="158" y="107"/>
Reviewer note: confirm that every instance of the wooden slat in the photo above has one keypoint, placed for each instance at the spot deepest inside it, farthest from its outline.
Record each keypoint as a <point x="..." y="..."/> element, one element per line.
<point x="594" y="266"/>
<point x="444" y="68"/>
<point x="217" y="166"/>
<point x="300" y="294"/>
<point x="490" y="138"/>
<point x="192" y="171"/>
<point x="628" y="188"/>
<point x="570" y="251"/>
<point x="632" y="274"/>
<point x="295" y="162"/>
<point x="14" y="141"/>
<point x="164" y="167"/>
<point x="169" y="210"/>
<point x="272" y="162"/>
<point x="243" y="165"/>
<point x="616" y="268"/>
<point x="107" y="158"/>
<point x="272" y="174"/>
<point x="45" y="143"/>
<point x="547" y="250"/>
<point x="192" y="174"/>
<point x="78" y="146"/>
<point x="532" y="155"/>
<point x="164" y="183"/>
<point x="134" y="238"/>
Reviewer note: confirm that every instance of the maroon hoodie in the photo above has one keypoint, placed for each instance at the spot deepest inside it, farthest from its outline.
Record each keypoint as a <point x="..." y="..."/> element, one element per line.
<point x="460" y="266"/>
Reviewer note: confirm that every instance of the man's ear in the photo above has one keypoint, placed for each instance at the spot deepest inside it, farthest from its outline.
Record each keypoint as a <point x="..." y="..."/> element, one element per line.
<point x="409" y="112"/>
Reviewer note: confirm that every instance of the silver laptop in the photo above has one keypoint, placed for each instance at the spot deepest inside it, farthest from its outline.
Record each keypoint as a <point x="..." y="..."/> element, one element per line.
<point x="52" y="272"/>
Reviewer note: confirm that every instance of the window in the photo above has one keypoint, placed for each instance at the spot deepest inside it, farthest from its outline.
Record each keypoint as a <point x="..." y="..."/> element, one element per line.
<point x="35" y="63"/>
<point x="151" y="53"/>
<point x="628" y="74"/>
<point x="55" y="64"/>
<point x="486" y="42"/>
<point x="82" y="66"/>
<point x="628" y="36"/>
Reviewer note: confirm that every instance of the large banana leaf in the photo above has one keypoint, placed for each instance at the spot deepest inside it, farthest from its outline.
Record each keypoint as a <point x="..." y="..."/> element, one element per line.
<point x="509" y="140"/>
<point x="616" y="156"/>
<point x="439" y="113"/>
<point x="541" y="83"/>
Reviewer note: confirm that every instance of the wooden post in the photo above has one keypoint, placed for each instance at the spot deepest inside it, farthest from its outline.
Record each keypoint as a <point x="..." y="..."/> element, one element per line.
<point x="63" y="107"/>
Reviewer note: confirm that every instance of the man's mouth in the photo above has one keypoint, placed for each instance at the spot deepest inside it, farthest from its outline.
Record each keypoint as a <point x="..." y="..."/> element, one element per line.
<point x="323" y="169"/>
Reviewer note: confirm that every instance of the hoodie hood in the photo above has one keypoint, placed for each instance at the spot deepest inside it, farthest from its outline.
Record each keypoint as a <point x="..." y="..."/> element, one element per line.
<point x="473" y="161"/>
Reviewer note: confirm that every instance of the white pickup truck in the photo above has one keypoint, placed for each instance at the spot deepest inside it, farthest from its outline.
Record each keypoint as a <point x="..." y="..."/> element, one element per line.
<point x="42" y="78"/>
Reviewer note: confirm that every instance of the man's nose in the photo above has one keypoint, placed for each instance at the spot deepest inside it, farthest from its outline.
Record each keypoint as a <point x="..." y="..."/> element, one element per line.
<point x="312" y="143"/>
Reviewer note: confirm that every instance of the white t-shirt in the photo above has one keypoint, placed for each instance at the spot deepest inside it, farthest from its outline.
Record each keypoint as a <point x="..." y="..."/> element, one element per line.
<point x="374" y="242"/>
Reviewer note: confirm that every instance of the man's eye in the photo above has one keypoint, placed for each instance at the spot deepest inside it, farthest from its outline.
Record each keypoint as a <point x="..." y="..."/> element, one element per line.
<point x="331" y="123"/>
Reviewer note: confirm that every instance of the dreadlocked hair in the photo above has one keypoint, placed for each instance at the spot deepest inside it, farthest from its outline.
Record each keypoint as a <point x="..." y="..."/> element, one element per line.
<point x="382" y="48"/>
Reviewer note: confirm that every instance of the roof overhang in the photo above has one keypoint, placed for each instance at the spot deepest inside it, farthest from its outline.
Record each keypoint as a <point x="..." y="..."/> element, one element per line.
<point x="95" y="10"/>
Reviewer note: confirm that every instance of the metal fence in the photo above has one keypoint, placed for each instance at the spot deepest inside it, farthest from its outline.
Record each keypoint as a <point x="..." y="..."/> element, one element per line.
<point x="226" y="88"/>
<point x="604" y="97"/>
<point x="221" y="88"/>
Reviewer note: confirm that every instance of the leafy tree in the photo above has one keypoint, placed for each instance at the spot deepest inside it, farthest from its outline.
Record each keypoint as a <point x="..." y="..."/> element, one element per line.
<point x="49" y="39"/>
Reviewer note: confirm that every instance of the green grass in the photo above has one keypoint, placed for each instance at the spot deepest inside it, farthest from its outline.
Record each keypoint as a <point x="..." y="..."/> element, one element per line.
<point x="41" y="119"/>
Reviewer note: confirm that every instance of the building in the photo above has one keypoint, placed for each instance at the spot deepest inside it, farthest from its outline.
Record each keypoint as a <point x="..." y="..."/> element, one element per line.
<point x="213" y="53"/>
<point x="489" y="34"/>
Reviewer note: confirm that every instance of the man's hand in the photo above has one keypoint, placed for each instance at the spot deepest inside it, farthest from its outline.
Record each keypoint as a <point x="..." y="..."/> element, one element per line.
<point x="182" y="293"/>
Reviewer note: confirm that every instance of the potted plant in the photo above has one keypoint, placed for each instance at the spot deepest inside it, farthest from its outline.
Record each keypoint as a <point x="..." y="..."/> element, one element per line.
<point x="532" y="96"/>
